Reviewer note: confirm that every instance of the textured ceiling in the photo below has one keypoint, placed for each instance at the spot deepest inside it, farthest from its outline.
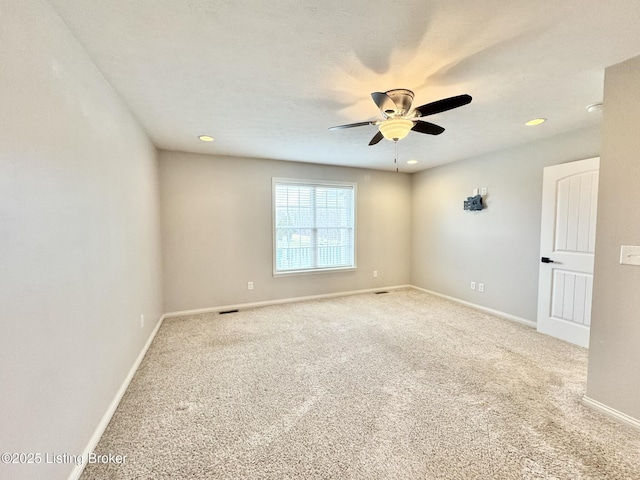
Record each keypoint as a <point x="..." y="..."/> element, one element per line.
<point x="267" y="79"/>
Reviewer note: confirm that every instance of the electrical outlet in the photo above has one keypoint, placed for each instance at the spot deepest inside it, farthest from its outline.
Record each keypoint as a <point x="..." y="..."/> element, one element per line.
<point x="481" y="287"/>
<point x="375" y="273"/>
<point x="473" y="285"/>
<point x="142" y="321"/>
<point x="249" y="285"/>
<point x="483" y="191"/>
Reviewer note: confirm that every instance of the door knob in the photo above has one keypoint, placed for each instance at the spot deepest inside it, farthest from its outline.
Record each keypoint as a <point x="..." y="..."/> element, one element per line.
<point x="546" y="260"/>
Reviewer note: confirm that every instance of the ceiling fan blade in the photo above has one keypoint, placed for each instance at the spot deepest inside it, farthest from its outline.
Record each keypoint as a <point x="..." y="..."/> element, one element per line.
<point x="376" y="138"/>
<point x="351" y="125"/>
<point x="384" y="102"/>
<point x="443" y="105"/>
<point x="428" y="128"/>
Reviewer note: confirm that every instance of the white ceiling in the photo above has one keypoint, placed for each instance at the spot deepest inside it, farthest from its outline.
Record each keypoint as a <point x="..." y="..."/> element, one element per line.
<point x="267" y="79"/>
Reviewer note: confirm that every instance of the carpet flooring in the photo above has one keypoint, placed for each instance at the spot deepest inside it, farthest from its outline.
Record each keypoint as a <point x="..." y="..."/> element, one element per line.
<point x="402" y="385"/>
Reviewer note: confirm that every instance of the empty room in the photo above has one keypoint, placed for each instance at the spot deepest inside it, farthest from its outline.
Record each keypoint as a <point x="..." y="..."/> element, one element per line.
<point x="319" y="240"/>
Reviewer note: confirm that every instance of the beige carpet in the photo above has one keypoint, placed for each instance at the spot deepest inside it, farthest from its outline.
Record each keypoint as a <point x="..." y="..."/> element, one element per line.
<point x="402" y="385"/>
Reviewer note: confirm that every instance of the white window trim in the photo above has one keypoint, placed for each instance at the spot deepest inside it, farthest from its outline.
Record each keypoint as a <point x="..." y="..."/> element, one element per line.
<point x="319" y="183"/>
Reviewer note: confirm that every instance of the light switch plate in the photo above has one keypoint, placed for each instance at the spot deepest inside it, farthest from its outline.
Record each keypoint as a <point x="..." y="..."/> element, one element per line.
<point x="630" y="255"/>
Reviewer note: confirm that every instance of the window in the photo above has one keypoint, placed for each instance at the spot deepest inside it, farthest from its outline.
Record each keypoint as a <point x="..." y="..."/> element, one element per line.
<point x="314" y="226"/>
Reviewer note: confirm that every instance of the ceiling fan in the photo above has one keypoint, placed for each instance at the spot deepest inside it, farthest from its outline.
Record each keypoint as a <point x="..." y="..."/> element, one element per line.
<point x="399" y="118"/>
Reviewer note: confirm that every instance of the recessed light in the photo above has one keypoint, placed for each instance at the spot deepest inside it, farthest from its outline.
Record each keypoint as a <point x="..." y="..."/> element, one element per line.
<point x="595" y="107"/>
<point x="412" y="162"/>
<point x="535" y="121"/>
<point x="205" y="138"/>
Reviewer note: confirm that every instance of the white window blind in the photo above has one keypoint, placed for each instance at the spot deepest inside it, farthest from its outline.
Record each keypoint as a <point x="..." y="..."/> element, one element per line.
<point x="314" y="226"/>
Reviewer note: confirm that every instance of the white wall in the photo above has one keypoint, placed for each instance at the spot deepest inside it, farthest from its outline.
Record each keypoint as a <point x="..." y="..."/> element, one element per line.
<point x="614" y="353"/>
<point x="498" y="246"/>
<point x="217" y="230"/>
<point x="79" y="240"/>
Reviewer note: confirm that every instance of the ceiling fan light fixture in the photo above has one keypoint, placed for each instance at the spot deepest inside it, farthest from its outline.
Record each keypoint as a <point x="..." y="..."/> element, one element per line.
<point x="395" y="129"/>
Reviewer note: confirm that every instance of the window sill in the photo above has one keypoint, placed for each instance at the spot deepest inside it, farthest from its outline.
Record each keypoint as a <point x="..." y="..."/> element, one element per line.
<point x="314" y="271"/>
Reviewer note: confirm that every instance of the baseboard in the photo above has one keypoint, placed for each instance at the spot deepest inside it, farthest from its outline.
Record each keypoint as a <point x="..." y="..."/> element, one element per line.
<point x="610" y="412"/>
<point x="97" y="434"/>
<point x="280" y="301"/>
<point x="491" y="311"/>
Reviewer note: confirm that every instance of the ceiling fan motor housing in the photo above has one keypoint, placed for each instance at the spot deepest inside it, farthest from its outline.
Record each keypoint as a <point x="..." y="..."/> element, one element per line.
<point x="403" y="99"/>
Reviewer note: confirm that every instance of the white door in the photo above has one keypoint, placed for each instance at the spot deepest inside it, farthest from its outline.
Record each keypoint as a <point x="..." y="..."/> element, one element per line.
<point x="567" y="243"/>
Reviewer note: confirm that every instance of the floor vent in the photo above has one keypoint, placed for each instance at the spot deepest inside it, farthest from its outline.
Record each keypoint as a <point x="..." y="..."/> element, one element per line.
<point x="380" y="293"/>
<point x="227" y="311"/>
